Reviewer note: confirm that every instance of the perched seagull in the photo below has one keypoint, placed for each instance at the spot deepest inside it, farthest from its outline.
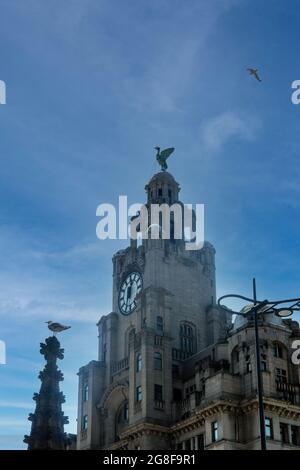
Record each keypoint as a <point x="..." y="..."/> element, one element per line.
<point x="56" y="327"/>
<point x="255" y="73"/>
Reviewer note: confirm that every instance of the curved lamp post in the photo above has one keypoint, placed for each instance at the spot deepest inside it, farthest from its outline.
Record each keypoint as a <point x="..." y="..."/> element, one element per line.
<point x="282" y="309"/>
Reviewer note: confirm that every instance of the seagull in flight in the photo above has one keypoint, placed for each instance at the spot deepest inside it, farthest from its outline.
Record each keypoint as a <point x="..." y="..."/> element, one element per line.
<point x="255" y="73"/>
<point x="56" y="327"/>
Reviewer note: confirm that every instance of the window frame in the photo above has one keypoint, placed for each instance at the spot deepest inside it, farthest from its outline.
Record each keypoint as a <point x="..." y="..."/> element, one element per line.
<point x="158" y="392"/>
<point x="85" y="423"/>
<point x="138" y="364"/>
<point x="281" y="375"/>
<point x="126" y="411"/>
<point x="214" y="431"/>
<point x="159" y="324"/>
<point x="295" y="432"/>
<point x="138" y="394"/>
<point x="188" y="338"/>
<point x="85" y="392"/>
<point x="278" y="351"/>
<point x="269" y="427"/>
<point x="157" y="360"/>
<point x="284" y="433"/>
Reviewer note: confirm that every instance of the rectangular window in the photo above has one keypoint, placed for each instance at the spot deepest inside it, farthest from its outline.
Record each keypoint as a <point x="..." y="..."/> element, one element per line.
<point x="138" y="393"/>
<point x="187" y="445"/>
<point x="284" y="433"/>
<point x="139" y="362"/>
<point x="200" y="440"/>
<point x="160" y="192"/>
<point x="263" y="366"/>
<point x="126" y="411"/>
<point x="295" y="435"/>
<point x="84" y="422"/>
<point x="281" y="376"/>
<point x="85" y="392"/>
<point x="269" y="428"/>
<point x="158" y="396"/>
<point x="214" y="431"/>
<point x="157" y="361"/>
<point x="248" y="367"/>
<point x="159" y="324"/>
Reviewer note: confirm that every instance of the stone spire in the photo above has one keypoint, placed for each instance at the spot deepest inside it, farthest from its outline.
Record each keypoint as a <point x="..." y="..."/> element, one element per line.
<point x="47" y="428"/>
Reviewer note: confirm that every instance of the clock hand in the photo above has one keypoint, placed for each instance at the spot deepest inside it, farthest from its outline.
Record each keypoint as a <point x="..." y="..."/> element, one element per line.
<point x="128" y="297"/>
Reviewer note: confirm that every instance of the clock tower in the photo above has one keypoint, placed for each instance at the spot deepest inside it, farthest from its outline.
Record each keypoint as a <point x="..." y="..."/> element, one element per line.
<point x="164" y="312"/>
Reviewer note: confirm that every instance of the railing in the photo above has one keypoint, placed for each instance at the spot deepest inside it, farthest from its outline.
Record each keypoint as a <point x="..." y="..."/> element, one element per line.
<point x="159" y="404"/>
<point x="289" y="392"/>
<point x="185" y="404"/>
<point x="287" y="387"/>
<point x="118" y="366"/>
<point x="180" y="355"/>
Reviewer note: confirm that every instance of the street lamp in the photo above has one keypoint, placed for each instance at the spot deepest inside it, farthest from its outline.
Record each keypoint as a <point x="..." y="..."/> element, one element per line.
<point x="282" y="309"/>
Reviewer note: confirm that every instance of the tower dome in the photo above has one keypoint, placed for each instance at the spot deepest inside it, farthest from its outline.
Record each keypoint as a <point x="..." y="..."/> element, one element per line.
<point x="162" y="188"/>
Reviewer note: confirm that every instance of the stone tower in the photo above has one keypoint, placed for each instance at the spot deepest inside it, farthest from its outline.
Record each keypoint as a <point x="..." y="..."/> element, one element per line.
<point x="48" y="420"/>
<point x="163" y="312"/>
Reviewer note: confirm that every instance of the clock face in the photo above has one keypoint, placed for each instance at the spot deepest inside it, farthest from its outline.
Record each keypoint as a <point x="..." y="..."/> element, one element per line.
<point x="129" y="289"/>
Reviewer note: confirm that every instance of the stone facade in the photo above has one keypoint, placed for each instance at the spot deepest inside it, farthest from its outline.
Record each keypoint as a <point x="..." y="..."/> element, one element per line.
<point x="176" y="373"/>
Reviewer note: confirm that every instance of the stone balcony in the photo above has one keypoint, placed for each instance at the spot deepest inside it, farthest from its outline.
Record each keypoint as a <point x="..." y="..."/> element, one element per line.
<point x="288" y="392"/>
<point x="121" y="365"/>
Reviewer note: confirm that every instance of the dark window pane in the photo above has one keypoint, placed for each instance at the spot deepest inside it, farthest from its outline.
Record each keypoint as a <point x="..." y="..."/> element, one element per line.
<point x="157" y="361"/>
<point x="214" y="431"/>
<point x="157" y="392"/>
<point x="269" y="428"/>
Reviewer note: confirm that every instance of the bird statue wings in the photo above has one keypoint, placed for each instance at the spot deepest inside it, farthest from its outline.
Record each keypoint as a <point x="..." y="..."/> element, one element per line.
<point x="56" y="327"/>
<point x="162" y="156"/>
<point x="255" y="73"/>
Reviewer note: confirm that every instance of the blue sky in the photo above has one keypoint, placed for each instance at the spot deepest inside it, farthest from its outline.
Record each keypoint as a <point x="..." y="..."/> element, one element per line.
<point x="92" y="87"/>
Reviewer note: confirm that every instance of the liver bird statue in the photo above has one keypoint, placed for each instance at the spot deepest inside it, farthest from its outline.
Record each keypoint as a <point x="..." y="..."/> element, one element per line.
<point x="162" y="156"/>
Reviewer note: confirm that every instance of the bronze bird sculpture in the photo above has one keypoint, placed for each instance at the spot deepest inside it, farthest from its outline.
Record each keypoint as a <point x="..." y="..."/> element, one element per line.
<point x="162" y="156"/>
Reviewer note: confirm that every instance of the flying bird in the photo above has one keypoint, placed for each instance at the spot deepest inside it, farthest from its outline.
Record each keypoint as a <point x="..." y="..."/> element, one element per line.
<point x="56" y="327"/>
<point x="162" y="156"/>
<point x="255" y="73"/>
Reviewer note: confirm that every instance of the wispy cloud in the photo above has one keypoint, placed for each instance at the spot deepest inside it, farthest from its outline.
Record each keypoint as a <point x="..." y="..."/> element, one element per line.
<point x="12" y="442"/>
<point x="218" y="130"/>
<point x="13" y="423"/>
<point x="15" y="404"/>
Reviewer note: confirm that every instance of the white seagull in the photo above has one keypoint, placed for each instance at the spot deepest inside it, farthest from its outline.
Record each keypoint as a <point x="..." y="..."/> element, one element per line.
<point x="56" y="327"/>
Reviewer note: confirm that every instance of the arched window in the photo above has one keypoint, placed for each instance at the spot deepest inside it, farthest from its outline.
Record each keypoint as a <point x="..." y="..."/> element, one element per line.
<point x="187" y="338"/>
<point x="138" y="362"/>
<point x="157" y="361"/>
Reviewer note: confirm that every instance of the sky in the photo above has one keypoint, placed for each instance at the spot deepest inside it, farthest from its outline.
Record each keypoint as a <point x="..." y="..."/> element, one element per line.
<point x="92" y="87"/>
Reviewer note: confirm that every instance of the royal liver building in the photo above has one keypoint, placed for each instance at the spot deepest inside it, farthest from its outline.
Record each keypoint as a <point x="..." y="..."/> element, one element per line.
<point x="173" y="371"/>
